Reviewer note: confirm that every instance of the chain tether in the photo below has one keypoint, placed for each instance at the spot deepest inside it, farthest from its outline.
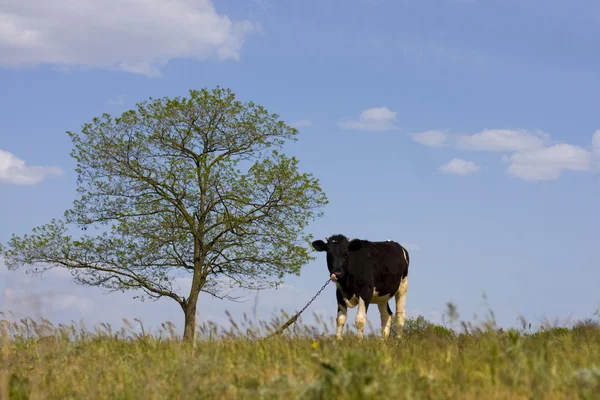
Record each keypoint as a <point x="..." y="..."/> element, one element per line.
<point x="295" y="317"/>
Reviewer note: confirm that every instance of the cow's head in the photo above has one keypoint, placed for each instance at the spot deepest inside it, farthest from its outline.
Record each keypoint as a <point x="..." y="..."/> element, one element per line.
<point x="338" y="249"/>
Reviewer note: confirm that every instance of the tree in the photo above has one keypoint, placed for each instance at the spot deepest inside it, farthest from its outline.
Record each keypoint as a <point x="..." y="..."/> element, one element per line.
<point x="177" y="187"/>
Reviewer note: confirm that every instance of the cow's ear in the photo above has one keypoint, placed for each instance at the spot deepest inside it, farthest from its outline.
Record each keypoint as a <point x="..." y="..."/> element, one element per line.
<point x="319" y="245"/>
<point x="355" y="244"/>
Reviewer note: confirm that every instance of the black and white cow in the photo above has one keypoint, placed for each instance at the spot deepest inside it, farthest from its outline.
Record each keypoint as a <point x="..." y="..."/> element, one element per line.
<point x="367" y="272"/>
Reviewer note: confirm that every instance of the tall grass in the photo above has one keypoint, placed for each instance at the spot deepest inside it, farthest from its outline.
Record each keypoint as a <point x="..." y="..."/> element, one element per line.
<point x="42" y="361"/>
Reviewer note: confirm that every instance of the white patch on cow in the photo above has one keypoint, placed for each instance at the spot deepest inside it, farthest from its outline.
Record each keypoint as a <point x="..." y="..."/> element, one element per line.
<point x="386" y="319"/>
<point x="352" y="302"/>
<point x="405" y="258"/>
<point x="377" y="299"/>
<point x="361" y="317"/>
<point x="400" y="305"/>
<point x="340" y="321"/>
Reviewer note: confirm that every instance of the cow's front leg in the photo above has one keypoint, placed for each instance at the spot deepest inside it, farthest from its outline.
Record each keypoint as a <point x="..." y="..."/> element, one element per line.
<point x="342" y="314"/>
<point x="386" y="319"/>
<point x="361" y="315"/>
<point x="340" y="320"/>
<point x="400" y="305"/>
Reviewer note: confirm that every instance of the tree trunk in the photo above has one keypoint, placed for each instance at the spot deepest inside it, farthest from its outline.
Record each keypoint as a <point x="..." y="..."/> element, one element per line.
<point x="189" y="305"/>
<point x="189" y="311"/>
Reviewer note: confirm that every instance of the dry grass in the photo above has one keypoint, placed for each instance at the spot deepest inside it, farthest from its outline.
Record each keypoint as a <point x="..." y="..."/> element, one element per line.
<point x="40" y="361"/>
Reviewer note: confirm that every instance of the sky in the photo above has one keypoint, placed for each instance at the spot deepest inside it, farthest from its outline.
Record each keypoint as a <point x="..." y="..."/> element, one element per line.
<point x="466" y="130"/>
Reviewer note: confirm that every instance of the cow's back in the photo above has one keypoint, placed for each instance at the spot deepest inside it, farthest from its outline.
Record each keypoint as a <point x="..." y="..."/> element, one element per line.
<point x="391" y="257"/>
<point x="381" y="265"/>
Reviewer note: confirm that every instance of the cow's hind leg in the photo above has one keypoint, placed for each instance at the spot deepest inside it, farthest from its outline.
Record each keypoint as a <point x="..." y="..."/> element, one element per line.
<point x="400" y="305"/>
<point x="385" y="312"/>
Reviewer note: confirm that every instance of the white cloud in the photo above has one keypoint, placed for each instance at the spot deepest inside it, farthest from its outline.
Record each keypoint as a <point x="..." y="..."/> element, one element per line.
<point x="131" y="35"/>
<point x="23" y="295"/>
<point x="302" y="123"/>
<point x="372" y="119"/>
<point x="14" y="170"/>
<point x="596" y="142"/>
<point x="430" y="138"/>
<point x="458" y="166"/>
<point x="534" y="156"/>
<point x="35" y="302"/>
<point x="548" y="163"/>
<point x="119" y="101"/>
<point x="503" y="140"/>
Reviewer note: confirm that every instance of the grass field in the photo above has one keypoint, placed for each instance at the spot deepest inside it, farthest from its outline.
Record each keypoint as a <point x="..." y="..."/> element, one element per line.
<point x="429" y="362"/>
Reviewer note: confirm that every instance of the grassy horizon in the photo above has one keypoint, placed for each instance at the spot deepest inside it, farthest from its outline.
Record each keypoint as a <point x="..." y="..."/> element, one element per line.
<point x="39" y="360"/>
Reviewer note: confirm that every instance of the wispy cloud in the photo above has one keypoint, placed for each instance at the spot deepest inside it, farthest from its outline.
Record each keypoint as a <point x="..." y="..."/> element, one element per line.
<point x="302" y="123"/>
<point x="410" y="246"/>
<point x="62" y="69"/>
<point x="119" y="101"/>
<point x="372" y="119"/>
<point x="458" y="166"/>
<point x="503" y="140"/>
<point x="14" y="171"/>
<point x="490" y="140"/>
<point x="596" y="142"/>
<point x="548" y="163"/>
<point x="533" y="155"/>
<point x="430" y="138"/>
<point x="291" y="288"/>
<point x="140" y="40"/>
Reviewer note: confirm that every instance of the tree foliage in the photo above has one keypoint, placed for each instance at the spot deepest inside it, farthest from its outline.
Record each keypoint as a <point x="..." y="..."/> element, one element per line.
<point x="192" y="187"/>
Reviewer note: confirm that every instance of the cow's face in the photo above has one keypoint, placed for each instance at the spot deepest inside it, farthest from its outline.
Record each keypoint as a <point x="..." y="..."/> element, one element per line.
<point x="338" y="250"/>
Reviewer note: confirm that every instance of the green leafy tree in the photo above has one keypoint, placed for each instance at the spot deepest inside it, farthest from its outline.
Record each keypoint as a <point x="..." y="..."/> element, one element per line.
<point x="185" y="187"/>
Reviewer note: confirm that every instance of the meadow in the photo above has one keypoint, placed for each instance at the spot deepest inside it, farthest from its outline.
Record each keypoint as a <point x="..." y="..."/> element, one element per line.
<point x="41" y="361"/>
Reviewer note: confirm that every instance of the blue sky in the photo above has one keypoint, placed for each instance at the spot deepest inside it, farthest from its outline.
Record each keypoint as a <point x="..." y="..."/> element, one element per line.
<point x="467" y="130"/>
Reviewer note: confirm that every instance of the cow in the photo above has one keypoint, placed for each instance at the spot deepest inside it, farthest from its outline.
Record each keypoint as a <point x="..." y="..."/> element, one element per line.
<point x="367" y="272"/>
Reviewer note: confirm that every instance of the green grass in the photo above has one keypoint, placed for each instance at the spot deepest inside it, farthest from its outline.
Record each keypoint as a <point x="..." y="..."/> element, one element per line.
<point x="429" y="362"/>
